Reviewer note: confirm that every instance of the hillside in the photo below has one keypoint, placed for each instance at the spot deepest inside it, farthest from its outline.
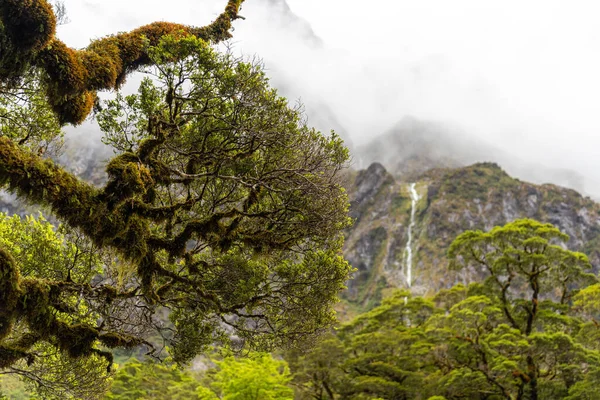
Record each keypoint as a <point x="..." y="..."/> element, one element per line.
<point x="450" y="201"/>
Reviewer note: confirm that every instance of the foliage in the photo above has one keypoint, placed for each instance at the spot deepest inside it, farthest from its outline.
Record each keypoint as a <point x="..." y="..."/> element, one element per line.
<point x="47" y="255"/>
<point x="25" y="116"/>
<point x="72" y="77"/>
<point x="223" y="210"/>
<point x="474" y="181"/>
<point x="148" y="380"/>
<point x="526" y="332"/>
<point x="317" y="372"/>
<point x="271" y="178"/>
<point x="257" y="377"/>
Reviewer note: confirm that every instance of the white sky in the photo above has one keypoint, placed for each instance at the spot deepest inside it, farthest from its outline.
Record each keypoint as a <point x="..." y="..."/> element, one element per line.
<point x="521" y="74"/>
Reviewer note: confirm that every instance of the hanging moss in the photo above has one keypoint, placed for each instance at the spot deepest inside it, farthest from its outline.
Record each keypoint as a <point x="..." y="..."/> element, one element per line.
<point x="74" y="108"/>
<point x="9" y="356"/>
<point x="66" y="73"/>
<point x="34" y="303"/>
<point x="127" y="177"/>
<point x="9" y="292"/>
<point x="77" y="340"/>
<point x="101" y="72"/>
<point x="134" y="238"/>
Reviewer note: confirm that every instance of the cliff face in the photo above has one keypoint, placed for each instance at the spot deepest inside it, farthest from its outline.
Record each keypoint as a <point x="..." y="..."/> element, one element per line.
<point x="480" y="196"/>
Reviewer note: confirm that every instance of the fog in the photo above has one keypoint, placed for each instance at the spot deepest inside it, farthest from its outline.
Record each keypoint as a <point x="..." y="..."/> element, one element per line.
<point x="520" y="77"/>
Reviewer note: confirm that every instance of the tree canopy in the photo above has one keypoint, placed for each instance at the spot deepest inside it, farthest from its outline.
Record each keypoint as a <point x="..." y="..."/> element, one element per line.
<point x="256" y="376"/>
<point x="222" y="209"/>
<point x="527" y="331"/>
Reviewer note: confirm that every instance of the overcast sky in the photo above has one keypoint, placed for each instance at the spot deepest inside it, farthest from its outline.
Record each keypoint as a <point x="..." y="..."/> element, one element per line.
<point x="523" y="75"/>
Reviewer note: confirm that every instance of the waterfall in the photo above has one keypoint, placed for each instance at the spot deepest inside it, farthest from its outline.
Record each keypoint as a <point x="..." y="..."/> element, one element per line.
<point x="408" y="252"/>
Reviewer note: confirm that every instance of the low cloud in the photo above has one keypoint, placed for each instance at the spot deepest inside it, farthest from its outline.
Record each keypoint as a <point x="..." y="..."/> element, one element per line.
<point x="521" y="76"/>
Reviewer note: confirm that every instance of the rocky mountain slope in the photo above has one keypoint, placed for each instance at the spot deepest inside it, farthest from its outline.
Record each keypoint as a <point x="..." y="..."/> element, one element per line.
<point x="447" y="202"/>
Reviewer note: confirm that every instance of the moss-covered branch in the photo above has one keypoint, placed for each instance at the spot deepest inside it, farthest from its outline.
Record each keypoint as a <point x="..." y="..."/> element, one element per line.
<point x="27" y="37"/>
<point x="34" y="303"/>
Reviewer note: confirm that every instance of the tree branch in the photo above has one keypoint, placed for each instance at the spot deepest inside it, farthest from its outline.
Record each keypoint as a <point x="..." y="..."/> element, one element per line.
<point x="76" y="75"/>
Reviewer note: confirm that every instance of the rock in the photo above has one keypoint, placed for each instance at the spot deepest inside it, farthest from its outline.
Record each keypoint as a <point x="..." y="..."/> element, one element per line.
<point x="480" y="196"/>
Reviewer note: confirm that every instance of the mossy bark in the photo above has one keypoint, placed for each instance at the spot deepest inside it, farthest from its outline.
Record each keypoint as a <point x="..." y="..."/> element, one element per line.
<point x="28" y="38"/>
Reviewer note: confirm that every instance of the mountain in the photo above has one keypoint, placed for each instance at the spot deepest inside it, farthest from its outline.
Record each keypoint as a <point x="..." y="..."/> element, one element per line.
<point x="450" y="199"/>
<point x="413" y="146"/>
<point x="283" y="17"/>
<point x="447" y="201"/>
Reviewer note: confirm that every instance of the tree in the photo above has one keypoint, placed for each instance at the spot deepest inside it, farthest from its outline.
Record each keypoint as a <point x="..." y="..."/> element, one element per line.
<point x="519" y="335"/>
<point x="317" y="373"/>
<point x="528" y="331"/>
<point x="148" y="380"/>
<point x="381" y="354"/>
<point x="222" y="206"/>
<point x="72" y="77"/>
<point x="46" y="254"/>
<point x="257" y="377"/>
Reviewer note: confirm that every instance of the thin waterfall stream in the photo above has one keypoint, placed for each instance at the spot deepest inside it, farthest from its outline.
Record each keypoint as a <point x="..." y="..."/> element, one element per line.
<point x="408" y="252"/>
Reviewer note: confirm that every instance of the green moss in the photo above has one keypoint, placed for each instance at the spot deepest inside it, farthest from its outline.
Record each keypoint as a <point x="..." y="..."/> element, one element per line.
<point x="77" y="340"/>
<point x="114" y="340"/>
<point x="27" y="36"/>
<point x="9" y="356"/>
<point x="31" y="23"/>
<point x="101" y="72"/>
<point x="9" y="291"/>
<point x="26" y="26"/>
<point x="64" y="69"/>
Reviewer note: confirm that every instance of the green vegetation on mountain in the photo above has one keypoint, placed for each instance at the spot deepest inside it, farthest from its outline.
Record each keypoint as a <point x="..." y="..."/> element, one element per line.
<point x="221" y="223"/>
<point x="480" y="196"/>
<point x="526" y="331"/>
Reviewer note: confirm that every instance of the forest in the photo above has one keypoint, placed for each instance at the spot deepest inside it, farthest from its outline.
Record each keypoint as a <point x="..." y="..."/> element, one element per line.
<point x="210" y="265"/>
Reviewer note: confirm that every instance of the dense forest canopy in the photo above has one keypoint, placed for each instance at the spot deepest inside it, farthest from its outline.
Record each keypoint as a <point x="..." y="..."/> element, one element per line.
<point x="220" y="222"/>
<point x="527" y="331"/>
<point x="498" y="338"/>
